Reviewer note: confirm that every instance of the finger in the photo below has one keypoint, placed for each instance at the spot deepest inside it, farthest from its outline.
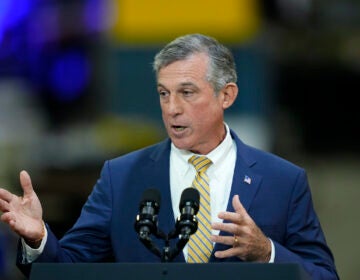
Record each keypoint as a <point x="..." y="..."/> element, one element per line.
<point x="239" y="208"/>
<point x="227" y="227"/>
<point x="6" y="195"/>
<point x="230" y="216"/>
<point x="25" y="182"/>
<point x="226" y="240"/>
<point x="4" y="206"/>
<point x="238" y="214"/>
<point x="8" y="218"/>
<point x="227" y="253"/>
<point x="13" y="225"/>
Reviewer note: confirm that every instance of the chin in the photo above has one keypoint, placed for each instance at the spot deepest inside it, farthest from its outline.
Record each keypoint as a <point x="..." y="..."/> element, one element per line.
<point x="181" y="145"/>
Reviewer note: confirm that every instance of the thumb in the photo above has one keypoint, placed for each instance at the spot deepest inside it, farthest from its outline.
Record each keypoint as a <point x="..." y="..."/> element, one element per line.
<point x="25" y="182"/>
<point x="238" y="207"/>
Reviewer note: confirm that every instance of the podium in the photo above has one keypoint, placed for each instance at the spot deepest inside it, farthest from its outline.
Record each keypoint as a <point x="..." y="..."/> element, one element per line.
<point x="166" y="271"/>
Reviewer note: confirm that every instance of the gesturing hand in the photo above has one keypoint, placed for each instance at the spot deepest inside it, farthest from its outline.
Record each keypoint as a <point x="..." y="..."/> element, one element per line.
<point x="247" y="240"/>
<point x="23" y="213"/>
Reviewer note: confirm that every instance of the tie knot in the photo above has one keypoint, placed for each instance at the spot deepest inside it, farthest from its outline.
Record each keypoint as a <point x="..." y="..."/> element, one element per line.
<point x="201" y="163"/>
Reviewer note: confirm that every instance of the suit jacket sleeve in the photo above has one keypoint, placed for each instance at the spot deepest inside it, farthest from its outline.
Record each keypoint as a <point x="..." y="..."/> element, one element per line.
<point x="305" y="242"/>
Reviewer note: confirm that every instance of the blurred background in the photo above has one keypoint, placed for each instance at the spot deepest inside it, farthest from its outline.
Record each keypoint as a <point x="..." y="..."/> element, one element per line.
<point x="77" y="88"/>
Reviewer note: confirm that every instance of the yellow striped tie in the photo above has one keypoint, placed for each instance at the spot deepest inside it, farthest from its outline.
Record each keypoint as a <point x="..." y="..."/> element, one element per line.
<point x="200" y="246"/>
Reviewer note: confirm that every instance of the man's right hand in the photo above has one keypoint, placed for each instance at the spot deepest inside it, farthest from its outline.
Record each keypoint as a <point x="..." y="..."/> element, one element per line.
<point x="23" y="213"/>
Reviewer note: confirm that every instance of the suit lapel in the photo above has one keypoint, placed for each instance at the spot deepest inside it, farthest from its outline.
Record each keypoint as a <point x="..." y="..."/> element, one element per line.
<point x="245" y="181"/>
<point x="245" y="184"/>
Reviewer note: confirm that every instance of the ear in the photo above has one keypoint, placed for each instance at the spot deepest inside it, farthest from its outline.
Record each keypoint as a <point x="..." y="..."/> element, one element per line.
<point x="229" y="94"/>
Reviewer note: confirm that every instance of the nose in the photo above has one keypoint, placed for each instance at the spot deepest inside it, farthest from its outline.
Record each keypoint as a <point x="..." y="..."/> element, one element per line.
<point x="174" y="105"/>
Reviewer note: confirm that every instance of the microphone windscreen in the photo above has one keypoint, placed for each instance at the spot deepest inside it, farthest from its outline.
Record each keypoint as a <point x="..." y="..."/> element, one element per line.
<point x="190" y="196"/>
<point x="151" y="195"/>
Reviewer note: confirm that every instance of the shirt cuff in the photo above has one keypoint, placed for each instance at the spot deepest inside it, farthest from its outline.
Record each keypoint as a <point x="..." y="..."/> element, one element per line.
<point x="272" y="256"/>
<point x="30" y="254"/>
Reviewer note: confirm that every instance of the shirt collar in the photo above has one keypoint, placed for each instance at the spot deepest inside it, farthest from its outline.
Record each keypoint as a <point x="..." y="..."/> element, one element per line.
<point x="216" y="155"/>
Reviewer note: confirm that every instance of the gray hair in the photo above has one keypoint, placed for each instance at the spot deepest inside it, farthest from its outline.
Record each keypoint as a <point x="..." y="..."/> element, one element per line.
<point x="222" y="69"/>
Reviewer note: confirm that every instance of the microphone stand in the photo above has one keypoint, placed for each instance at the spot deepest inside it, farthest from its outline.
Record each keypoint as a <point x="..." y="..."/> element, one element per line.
<point x="147" y="241"/>
<point x="168" y="253"/>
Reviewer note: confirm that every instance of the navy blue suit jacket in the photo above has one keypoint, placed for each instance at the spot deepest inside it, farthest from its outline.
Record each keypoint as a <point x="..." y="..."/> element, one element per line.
<point x="278" y="199"/>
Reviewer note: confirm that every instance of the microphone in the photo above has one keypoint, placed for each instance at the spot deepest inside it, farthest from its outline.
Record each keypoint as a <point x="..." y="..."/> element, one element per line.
<point x="146" y="221"/>
<point x="187" y="223"/>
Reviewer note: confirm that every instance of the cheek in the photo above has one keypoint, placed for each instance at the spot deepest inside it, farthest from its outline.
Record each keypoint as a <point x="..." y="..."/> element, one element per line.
<point x="206" y="116"/>
<point x="163" y="110"/>
<point x="211" y="110"/>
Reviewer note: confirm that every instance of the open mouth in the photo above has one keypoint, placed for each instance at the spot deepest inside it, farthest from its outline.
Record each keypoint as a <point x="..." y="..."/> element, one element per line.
<point x="178" y="128"/>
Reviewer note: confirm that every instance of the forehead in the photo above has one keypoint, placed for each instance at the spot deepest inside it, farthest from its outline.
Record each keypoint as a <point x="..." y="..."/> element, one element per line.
<point x="190" y="69"/>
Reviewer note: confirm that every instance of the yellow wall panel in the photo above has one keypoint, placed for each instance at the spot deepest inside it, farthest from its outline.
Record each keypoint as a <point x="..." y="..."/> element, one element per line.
<point x="157" y="21"/>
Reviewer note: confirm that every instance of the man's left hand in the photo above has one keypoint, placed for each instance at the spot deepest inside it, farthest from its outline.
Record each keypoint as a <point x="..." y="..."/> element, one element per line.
<point x="248" y="241"/>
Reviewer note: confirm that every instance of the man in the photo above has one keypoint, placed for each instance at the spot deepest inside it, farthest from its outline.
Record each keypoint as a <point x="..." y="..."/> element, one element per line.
<point x="261" y="206"/>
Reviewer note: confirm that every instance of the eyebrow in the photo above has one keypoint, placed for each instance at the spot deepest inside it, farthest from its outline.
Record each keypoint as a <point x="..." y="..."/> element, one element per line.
<point x="184" y="84"/>
<point x="160" y="85"/>
<point x="187" y="84"/>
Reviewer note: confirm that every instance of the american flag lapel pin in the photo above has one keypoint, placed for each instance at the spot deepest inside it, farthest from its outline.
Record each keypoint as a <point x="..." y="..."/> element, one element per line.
<point x="247" y="180"/>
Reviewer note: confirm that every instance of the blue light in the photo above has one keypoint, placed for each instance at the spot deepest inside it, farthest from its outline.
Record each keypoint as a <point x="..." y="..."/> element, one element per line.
<point x="95" y="15"/>
<point x="12" y="12"/>
<point x="70" y="75"/>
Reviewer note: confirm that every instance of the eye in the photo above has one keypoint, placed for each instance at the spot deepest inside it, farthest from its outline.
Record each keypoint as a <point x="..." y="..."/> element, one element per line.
<point x="163" y="93"/>
<point x="187" y="92"/>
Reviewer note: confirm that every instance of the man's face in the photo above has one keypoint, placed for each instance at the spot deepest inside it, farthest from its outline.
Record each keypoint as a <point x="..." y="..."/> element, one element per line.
<point x="192" y="114"/>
